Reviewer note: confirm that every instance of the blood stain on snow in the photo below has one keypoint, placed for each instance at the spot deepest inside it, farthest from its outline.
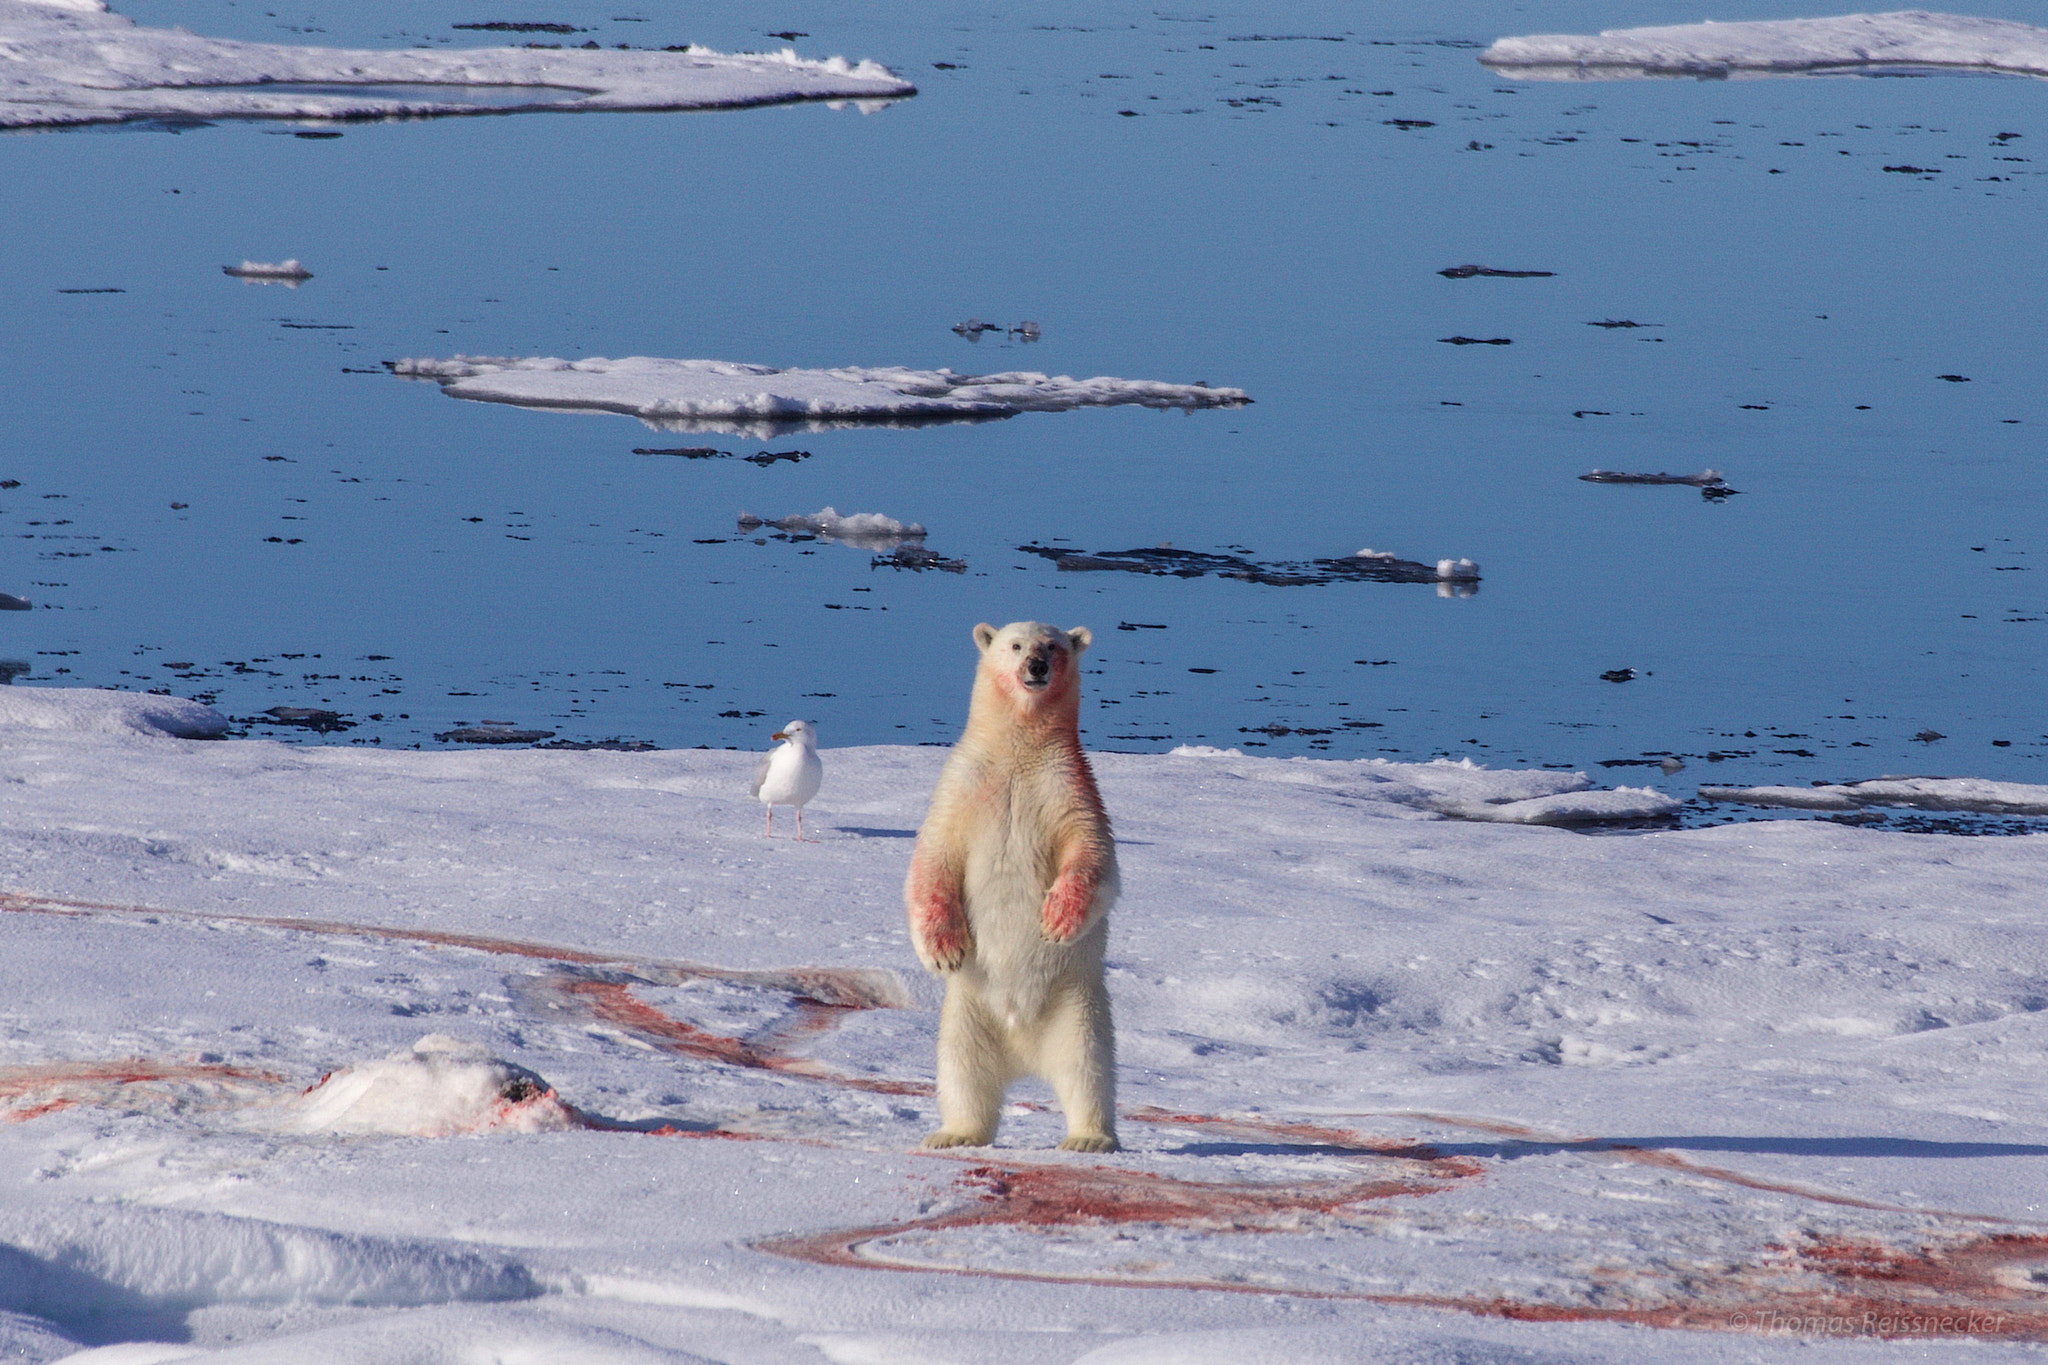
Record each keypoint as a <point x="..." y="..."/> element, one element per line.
<point x="613" y="1003"/>
<point x="29" y="1092"/>
<point x="1982" y="1285"/>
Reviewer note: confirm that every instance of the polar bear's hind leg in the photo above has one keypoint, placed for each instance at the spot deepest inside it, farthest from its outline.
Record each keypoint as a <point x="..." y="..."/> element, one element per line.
<point x="1077" y="1057"/>
<point x="975" y="1069"/>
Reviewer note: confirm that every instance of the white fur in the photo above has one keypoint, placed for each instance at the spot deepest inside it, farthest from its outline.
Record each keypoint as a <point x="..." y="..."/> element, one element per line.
<point x="1016" y="831"/>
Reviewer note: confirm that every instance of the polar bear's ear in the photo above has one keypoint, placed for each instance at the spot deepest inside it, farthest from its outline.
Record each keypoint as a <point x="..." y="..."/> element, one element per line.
<point x="1080" y="637"/>
<point x="983" y="634"/>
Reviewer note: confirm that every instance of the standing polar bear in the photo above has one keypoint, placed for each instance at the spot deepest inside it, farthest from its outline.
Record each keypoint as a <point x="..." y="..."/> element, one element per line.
<point x="1009" y="894"/>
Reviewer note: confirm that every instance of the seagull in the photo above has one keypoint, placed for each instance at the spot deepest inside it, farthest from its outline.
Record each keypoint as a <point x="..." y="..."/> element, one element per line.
<point x="790" y="773"/>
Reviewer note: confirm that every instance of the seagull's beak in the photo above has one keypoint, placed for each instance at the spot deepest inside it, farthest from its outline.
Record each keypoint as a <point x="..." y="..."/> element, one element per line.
<point x="780" y="734"/>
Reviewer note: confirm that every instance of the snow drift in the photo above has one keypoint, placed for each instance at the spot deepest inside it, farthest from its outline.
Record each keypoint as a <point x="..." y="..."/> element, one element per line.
<point x="1779" y="47"/>
<point x="725" y="396"/>
<point x="109" y="713"/>
<point x="72" y="62"/>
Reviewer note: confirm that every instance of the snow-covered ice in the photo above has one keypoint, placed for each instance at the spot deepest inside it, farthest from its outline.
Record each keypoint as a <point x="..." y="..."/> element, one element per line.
<point x="1918" y="793"/>
<point x="104" y="712"/>
<point x="1779" y="47"/>
<point x="1397" y="1079"/>
<point x="760" y="400"/>
<point x="72" y="61"/>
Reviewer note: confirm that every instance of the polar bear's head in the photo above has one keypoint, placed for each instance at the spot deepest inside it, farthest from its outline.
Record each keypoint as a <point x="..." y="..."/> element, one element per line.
<point x="1030" y="663"/>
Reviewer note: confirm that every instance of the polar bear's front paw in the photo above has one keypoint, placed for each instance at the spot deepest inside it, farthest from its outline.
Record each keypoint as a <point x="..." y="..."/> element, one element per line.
<point x="946" y="1137"/>
<point x="1066" y="909"/>
<point x="1079" y="1142"/>
<point x="939" y="933"/>
<point x="943" y="949"/>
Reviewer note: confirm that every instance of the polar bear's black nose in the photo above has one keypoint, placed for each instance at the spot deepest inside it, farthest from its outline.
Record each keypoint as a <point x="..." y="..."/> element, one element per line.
<point x="1038" y="668"/>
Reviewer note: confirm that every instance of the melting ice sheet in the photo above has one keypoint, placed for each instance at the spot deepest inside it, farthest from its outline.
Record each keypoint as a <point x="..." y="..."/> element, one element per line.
<point x="1919" y="793"/>
<point x="72" y="62"/>
<point x="1781" y="47"/>
<point x="760" y="400"/>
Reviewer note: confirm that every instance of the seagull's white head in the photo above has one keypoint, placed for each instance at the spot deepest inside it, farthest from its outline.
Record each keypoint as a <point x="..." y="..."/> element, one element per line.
<point x="798" y="732"/>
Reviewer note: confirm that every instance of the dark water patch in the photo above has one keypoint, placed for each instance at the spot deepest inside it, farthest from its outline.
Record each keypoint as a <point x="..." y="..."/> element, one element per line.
<point x="1468" y="272"/>
<point x="1477" y="341"/>
<point x="1165" y="561"/>
<point x="305" y="718"/>
<point x="916" y="557"/>
<point x="514" y="26"/>
<point x="491" y="732"/>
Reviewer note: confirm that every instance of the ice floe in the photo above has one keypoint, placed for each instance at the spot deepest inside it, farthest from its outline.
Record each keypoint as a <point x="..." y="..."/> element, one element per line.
<point x="72" y="61"/>
<point x="104" y="712"/>
<point x="761" y="400"/>
<point x="439" y="1087"/>
<point x="1779" y="47"/>
<point x="1918" y="793"/>
<point x="1460" y="789"/>
<point x="862" y="530"/>
<point x="1387" y="1055"/>
<point x="289" y="273"/>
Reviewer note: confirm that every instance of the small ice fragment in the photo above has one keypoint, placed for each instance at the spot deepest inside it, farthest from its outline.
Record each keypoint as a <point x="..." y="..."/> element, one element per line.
<point x="1459" y="570"/>
<point x="1025" y="331"/>
<point x="290" y="272"/>
<point x="1369" y="553"/>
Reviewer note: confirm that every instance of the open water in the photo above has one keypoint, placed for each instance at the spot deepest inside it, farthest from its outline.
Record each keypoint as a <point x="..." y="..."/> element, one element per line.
<point x="222" y="492"/>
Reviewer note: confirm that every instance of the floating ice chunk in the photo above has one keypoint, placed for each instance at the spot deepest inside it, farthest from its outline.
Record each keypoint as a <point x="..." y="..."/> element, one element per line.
<point x="863" y="530"/>
<point x="1369" y="553"/>
<point x="289" y="273"/>
<point x="1462" y="570"/>
<point x="439" y="1087"/>
<point x="723" y="395"/>
<point x="73" y="62"/>
<point x="1573" y="808"/>
<point x="1778" y="47"/>
<point x="1919" y="793"/>
<point x="104" y="712"/>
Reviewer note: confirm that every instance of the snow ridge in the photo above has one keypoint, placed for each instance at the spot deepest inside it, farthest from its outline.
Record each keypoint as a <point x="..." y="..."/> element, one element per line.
<point x="1913" y="38"/>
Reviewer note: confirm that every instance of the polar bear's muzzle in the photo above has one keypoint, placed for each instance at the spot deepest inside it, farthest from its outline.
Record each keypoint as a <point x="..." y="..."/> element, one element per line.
<point x="1038" y="669"/>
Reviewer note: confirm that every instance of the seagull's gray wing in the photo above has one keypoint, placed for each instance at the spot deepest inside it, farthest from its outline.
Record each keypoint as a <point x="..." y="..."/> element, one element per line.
<point x="761" y="773"/>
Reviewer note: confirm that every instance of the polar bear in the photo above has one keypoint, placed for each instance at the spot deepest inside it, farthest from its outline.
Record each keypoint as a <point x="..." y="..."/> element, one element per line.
<point x="1009" y="893"/>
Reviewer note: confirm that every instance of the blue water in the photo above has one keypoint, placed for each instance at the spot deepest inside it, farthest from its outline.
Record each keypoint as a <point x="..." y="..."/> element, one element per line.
<point x="1256" y="220"/>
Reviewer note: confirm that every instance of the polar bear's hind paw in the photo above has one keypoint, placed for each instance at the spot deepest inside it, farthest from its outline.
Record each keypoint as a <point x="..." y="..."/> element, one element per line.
<point x="1080" y="1142"/>
<point x="946" y="1137"/>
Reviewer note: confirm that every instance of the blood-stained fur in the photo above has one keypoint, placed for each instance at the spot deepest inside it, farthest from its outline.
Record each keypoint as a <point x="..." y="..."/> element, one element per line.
<point x="1009" y="893"/>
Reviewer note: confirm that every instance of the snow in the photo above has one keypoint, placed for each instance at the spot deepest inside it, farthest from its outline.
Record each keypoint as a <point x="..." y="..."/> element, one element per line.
<point x="1920" y="793"/>
<point x="738" y="399"/>
<point x="1395" y="1069"/>
<point x="108" y="713"/>
<point x="73" y="62"/>
<point x="1778" y="47"/>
